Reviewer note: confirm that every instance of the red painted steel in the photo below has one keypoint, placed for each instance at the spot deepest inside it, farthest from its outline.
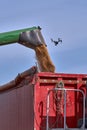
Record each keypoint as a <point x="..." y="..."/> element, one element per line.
<point x="16" y="109"/>
<point x="47" y="81"/>
<point x="24" y="106"/>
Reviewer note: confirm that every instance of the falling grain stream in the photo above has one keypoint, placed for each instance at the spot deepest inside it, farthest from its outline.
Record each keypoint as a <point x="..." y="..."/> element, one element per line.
<point x="44" y="61"/>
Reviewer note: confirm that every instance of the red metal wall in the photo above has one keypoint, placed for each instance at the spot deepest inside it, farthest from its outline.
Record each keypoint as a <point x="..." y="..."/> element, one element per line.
<point x="16" y="109"/>
<point x="47" y="81"/>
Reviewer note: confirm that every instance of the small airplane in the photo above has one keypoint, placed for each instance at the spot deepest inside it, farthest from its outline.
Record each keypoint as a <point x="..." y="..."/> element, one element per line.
<point x="56" y="42"/>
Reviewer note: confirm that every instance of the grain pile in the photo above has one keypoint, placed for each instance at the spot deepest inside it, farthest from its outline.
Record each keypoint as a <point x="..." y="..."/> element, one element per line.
<point x="44" y="62"/>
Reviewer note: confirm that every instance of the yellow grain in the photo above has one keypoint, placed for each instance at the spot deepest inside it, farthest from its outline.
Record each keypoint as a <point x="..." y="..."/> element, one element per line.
<point x="43" y="58"/>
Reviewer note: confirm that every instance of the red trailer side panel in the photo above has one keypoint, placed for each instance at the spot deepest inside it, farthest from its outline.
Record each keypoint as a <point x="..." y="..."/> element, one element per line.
<point x="16" y="108"/>
<point x="74" y="102"/>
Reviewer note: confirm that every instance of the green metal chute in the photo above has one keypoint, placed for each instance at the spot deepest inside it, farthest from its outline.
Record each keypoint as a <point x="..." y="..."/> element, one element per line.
<point x="13" y="36"/>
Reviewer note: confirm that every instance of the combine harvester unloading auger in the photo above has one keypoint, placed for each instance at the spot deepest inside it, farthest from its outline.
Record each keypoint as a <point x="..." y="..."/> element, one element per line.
<point x="31" y="38"/>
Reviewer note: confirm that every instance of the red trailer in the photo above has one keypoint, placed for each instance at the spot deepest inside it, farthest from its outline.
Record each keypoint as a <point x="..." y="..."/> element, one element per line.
<point x="43" y="101"/>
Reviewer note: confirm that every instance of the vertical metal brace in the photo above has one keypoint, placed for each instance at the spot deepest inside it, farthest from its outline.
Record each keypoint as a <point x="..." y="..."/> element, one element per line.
<point x="47" y="124"/>
<point x="64" y="109"/>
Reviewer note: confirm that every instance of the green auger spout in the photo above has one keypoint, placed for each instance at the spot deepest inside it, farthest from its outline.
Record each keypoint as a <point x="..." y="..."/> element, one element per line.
<point x="29" y="37"/>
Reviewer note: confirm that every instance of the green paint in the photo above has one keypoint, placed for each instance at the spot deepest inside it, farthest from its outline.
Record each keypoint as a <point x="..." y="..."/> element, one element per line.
<point x="13" y="36"/>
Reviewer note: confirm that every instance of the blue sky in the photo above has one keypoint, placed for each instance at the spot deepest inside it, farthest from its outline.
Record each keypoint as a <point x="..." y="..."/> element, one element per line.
<point x="66" y="19"/>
